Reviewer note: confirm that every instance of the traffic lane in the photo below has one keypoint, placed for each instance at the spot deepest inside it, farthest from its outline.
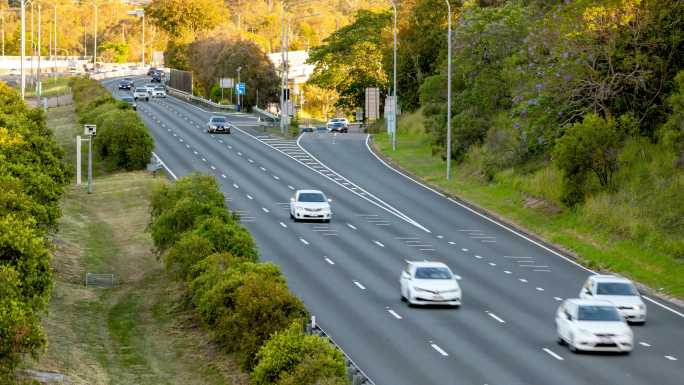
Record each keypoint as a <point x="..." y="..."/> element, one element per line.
<point x="362" y="166"/>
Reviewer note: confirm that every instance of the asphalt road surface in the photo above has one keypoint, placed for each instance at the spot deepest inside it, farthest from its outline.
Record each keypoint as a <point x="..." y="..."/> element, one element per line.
<point x="346" y="272"/>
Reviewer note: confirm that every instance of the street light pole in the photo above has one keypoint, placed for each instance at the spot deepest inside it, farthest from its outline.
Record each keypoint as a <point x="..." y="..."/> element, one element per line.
<point x="283" y="80"/>
<point x="143" y="37"/>
<point x="23" y="48"/>
<point x="448" y="172"/>
<point x="95" y="41"/>
<point x="38" y="86"/>
<point x="239" y="94"/>
<point x="394" y="81"/>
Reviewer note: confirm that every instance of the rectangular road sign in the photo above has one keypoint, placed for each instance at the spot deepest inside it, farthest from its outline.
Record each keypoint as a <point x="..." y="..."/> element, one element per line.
<point x="226" y="83"/>
<point x="241" y="88"/>
<point x="372" y="103"/>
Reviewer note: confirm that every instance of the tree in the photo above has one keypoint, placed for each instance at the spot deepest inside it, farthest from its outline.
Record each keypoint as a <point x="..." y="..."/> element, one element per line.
<point x="123" y="140"/>
<point x="589" y="146"/>
<point x="180" y="17"/>
<point x="354" y="58"/>
<point x="320" y="100"/>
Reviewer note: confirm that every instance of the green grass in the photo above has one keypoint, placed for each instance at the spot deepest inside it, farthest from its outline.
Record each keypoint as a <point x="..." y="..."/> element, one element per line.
<point x="527" y="201"/>
<point x="135" y="333"/>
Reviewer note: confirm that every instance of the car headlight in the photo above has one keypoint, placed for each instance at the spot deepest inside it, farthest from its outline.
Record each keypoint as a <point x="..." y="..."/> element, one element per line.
<point x="639" y="307"/>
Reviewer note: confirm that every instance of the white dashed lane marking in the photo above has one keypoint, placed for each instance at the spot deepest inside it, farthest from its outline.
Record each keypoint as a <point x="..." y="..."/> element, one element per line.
<point x="394" y="313"/>
<point x="671" y="358"/>
<point x="523" y="280"/>
<point x="552" y="354"/>
<point x="359" y="285"/>
<point x="351" y="226"/>
<point x="378" y="243"/>
<point x="304" y="241"/>
<point x="499" y="319"/>
<point x="439" y="350"/>
<point x="235" y="185"/>
<point x="265" y="209"/>
<point x="250" y="197"/>
<point x="330" y="261"/>
<point x="645" y="344"/>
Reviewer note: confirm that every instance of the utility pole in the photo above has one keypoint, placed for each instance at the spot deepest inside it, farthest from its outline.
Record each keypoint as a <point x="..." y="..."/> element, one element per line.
<point x="239" y="94"/>
<point x="448" y="172"/>
<point x="142" y="11"/>
<point x="95" y="39"/>
<point x="23" y="48"/>
<point x="283" y="80"/>
<point x="38" y="85"/>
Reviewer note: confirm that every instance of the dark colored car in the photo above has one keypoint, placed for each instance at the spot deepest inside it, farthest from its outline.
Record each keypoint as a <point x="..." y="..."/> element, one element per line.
<point x="125" y="85"/>
<point x="321" y="130"/>
<point x="218" y="124"/>
<point x="131" y="102"/>
<point x="307" y="129"/>
<point x="156" y="78"/>
<point x="338" y="127"/>
<point x="151" y="71"/>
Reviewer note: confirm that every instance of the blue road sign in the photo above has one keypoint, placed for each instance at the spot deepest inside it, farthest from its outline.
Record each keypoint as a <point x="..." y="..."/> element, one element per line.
<point x="241" y="88"/>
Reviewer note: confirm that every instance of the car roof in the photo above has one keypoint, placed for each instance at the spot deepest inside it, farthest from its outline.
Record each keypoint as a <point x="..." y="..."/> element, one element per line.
<point x="309" y="192"/>
<point x="589" y="302"/>
<point x="609" y="278"/>
<point x="427" y="264"/>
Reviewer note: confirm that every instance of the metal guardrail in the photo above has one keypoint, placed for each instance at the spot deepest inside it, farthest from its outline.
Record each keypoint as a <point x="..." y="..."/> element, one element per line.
<point x="188" y="97"/>
<point x="117" y="74"/>
<point x="355" y="375"/>
<point x="267" y="115"/>
<point x="100" y="280"/>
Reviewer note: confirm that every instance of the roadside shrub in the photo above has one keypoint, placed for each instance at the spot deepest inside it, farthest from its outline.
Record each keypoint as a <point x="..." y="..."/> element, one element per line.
<point x="188" y="250"/>
<point x="228" y="237"/>
<point x="262" y="307"/>
<point x="195" y="186"/>
<point x="290" y="357"/>
<point x="96" y="115"/>
<point x="124" y="141"/>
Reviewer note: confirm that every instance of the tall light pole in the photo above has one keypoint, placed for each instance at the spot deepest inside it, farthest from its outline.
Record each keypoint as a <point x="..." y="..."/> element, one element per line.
<point x="38" y="45"/>
<point x="140" y="13"/>
<point x="2" y="16"/>
<point x="394" y="81"/>
<point x="283" y="79"/>
<point x="23" y="48"/>
<point x="448" y="172"/>
<point x="95" y="38"/>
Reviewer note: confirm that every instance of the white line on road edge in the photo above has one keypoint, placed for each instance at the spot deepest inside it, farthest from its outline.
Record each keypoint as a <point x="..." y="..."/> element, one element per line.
<point x="351" y="226"/>
<point x="165" y="166"/>
<point x="394" y="313"/>
<point x="330" y="261"/>
<point x="646" y="344"/>
<point x="671" y="358"/>
<point x="304" y="241"/>
<point x="439" y="350"/>
<point x="378" y="243"/>
<point x="284" y="225"/>
<point x="552" y="354"/>
<point x="265" y="209"/>
<point x="496" y="317"/>
<point x="359" y="285"/>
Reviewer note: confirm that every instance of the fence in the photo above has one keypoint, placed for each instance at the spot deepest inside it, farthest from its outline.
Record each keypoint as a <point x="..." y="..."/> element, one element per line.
<point x="189" y="97"/>
<point x="355" y="375"/>
<point x="100" y="280"/>
<point x="181" y="80"/>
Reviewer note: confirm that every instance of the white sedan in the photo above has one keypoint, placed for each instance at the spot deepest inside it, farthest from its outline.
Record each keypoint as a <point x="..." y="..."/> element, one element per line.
<point x="310" y="204"/>
<point x="589" y="324"/>
<point x="429" y="283"/>
<point x="620" y="292"/>
<point x="158" y="92"/>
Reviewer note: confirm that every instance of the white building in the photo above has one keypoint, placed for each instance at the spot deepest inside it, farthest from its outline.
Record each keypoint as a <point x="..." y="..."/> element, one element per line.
<point x="298" y="72"/>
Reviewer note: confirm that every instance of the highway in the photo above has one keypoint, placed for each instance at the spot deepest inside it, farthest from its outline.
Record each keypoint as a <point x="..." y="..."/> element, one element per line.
<point x="346" y="272"/>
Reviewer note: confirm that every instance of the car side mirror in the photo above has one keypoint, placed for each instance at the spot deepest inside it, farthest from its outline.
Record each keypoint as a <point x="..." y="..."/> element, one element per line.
<point x="568" y="316"/>
<point x="457" y="277"/>
<point x="587" y="292"/>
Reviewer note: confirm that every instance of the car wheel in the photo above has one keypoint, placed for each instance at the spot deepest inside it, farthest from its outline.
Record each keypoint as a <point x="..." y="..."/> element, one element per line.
<point x="639" y="323"/>
<point x="403" y="299"/>
<point x="291" y="216"/>
<point x="571" y="345"/>
<point x="560" y="341"/>
<point x="147" y="99"/>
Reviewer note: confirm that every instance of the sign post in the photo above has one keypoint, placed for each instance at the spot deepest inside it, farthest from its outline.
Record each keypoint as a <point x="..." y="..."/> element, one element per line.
<point x="372" y="104"/>
<point x="90" y="131"/>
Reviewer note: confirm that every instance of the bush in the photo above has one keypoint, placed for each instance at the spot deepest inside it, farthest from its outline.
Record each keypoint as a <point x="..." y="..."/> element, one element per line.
<point x="290" y="357"/>
<point x="124" y="141"/>
<point x="262" y="307"/>
<point x="195" y="186"/>
<point x="228" y="237"/>
<point x="188" y="250"/>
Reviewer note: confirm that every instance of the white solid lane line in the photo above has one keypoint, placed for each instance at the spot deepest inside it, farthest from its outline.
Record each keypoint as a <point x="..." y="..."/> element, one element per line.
<point x="394" y="313"/>
<point x="359" y="285"/>
<point x="671" y="358"/>
<point x="378" y="243"/>
<point x="439" y="350"/>
<point x="304" y="241"/>
<point x="496" y="317"/>
<point x="330" y="261"/>
<point x="552" y="354"/>
<point x="284" y="225"/>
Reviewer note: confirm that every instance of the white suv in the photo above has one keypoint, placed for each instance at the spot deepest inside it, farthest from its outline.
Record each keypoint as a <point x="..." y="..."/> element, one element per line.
<point x="141" y="93"/>
<point x="620" y="292"/>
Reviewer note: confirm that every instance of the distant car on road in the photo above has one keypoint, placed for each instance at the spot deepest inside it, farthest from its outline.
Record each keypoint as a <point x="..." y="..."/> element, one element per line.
<point x="141" y="93"/>
<point x="131" y="101"/>
<point x="429" y="283"/>
<point x="158" y="92"/>
<point x="218" y="124"/>
<point x="619" y="291"/>
<point x="307" y="129"/>
<point x="156" y="78"/>
<point x="338" y="125"/>
<point x="321" y="130"/>
<point x="151" y="71"/>
<point x="590" y="324"/>
<point x="310" y="204"/>
<point x="125" y="85"/>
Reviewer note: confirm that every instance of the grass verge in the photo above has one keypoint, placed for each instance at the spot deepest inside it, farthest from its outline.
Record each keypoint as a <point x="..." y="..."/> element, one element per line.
<point x="138" y="332"/>
<point x="504" y="197"/>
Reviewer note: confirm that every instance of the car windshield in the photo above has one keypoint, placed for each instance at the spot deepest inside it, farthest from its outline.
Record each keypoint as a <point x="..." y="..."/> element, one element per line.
<point x="127" y="99"/>
<point x="433" y="273"/>
<point x="140" y="89"/>
<point x="218" y="120"/>
<point x="311" y="197"/>
<point x="616" y="288"/>
<point x="159" y="88"/>
<point x="598" y="313"/>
